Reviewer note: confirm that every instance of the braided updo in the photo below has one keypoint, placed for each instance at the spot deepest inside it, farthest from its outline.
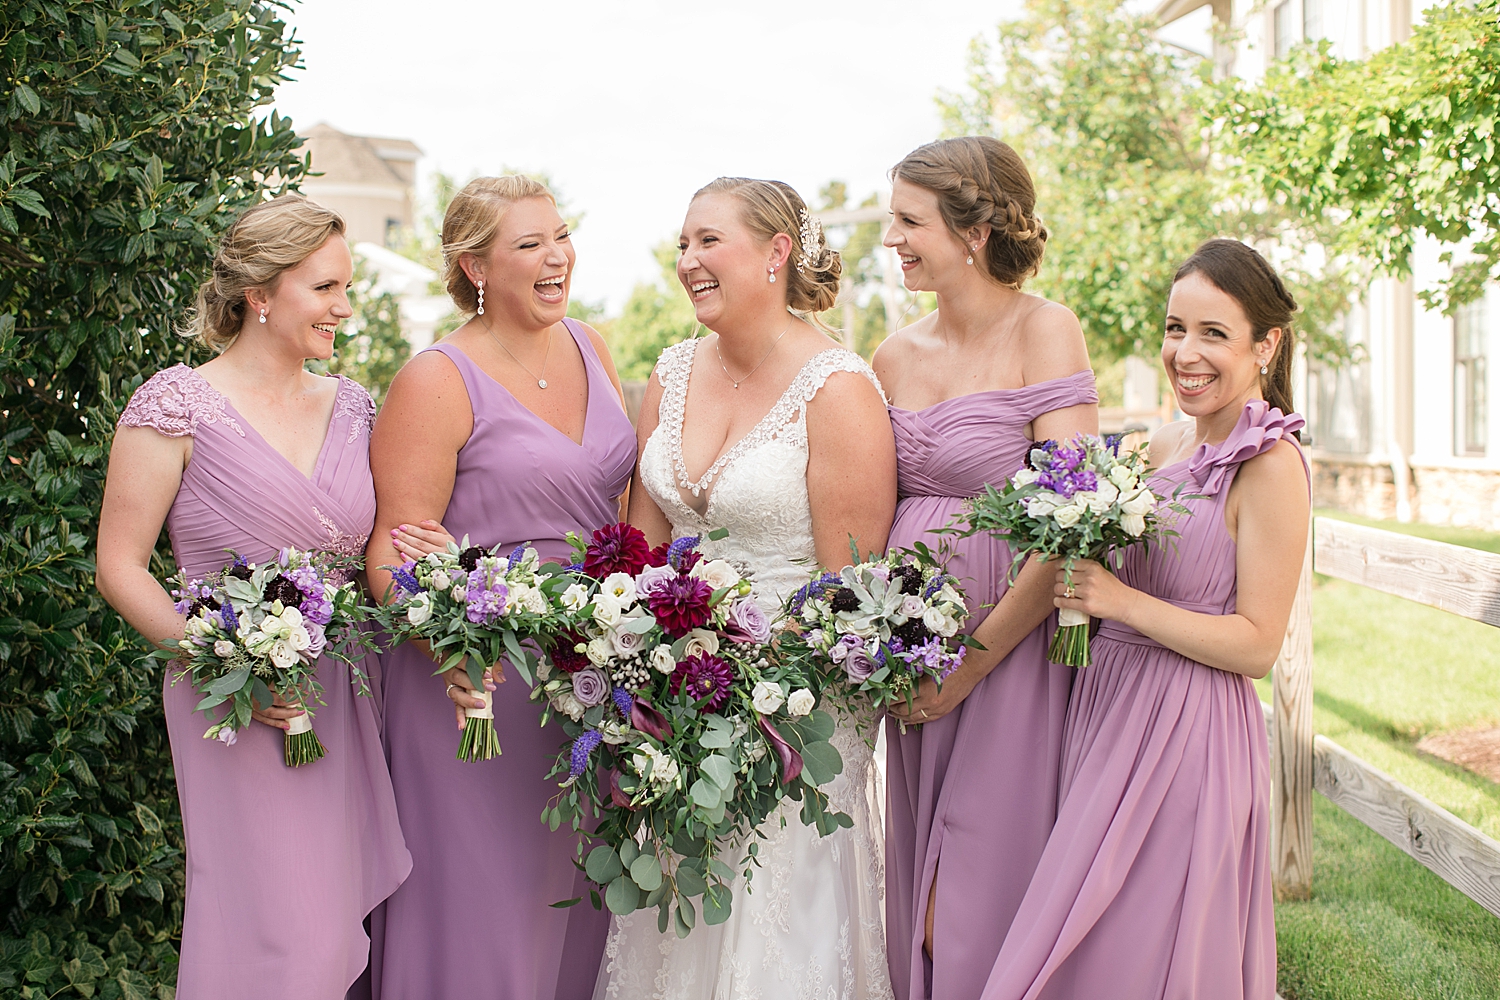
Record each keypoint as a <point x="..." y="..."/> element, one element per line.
<point x="981" y="180"/>
<point x="771" y="207"/>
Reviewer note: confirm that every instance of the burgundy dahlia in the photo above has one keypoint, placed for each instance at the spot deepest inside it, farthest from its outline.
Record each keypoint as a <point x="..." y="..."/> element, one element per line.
<point x="657" y="556"/>
<point x="616" y="548"/>
<point x="565" y="654"/>
<point x="703" y="676"/>
<point x="680" y="604"/>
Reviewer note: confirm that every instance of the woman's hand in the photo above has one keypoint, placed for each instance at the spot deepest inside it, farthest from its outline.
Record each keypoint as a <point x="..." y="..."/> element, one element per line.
<point x="413" y="541"/>
<point x="1095" y="591"/>
<point x="462" y="693"/>
<point x="278" y="715"/>
<point x="931" y="702"/>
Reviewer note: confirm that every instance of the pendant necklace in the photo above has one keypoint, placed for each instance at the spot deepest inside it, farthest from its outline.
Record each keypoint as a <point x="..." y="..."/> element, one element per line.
<point x="541" y="380"/>
<point x="739" y="382"/>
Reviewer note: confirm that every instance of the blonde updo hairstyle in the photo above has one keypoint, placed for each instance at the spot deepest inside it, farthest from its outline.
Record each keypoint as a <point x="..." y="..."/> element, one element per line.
<point x="267" y="240"/>
<point x="981" y="180"/>
<point x="473" y="221"/>
<point x="771" y="207"/>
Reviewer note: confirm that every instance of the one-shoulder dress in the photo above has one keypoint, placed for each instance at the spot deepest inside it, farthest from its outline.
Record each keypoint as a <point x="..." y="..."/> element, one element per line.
<point x="283" y="864"/>
<point x="977" y="789"/>
<point x="475" y="918"/>
<point x="1155" y="884"/>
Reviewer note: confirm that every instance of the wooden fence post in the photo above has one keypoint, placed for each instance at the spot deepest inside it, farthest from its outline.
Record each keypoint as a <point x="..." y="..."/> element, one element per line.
<point x="1292" y="748"/>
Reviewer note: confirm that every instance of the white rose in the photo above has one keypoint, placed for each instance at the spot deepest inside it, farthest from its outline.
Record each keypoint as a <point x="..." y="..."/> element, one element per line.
<point x="700" y="641"/>
<point x="1068" y="515"/>
<point x="607" y="610"/>
<point x="627" y="643"/>
<point x="662" y="660"/>
<point x="620" y="587"/>
<point x="912" y="606"/>
<point x="755" y="750"/>
<point x="223" y="648"/>
<point x="1142" y="502"/>
<point x="419" y="609"/>
<point x="666" y="770"/>
<point x="1122" y="477"/>
<point x="575" y="597"/>
<point x="1134" y="524"/>
<point x="766" y="697"/>
<point x="800" y="702"/>
<point x="291" y="618"/>
<point x="283" y="655"/>
<point x="1040" y="507"/>
<point x="439" y="580"/>
<point x="568" y="704"/>
<point x="600" y="651"/>
<point x="939" y="623"/>
<point x="1104" y="498"/>
<point x="1025" y="477"/>
<point x="717" y="573"/>
<point x="460" y="592"/>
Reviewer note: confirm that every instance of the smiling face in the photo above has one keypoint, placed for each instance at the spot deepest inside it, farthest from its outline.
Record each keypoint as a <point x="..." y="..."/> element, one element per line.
<point x="1209" y="351"/>
<point x="931" y="256"/>
<point x="722" y="264"/>
<point x="528" y="271"/>
<point x="307" y="302"/>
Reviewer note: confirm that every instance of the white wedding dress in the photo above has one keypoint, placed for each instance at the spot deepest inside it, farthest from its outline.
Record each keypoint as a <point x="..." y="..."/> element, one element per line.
<point x="811" y="925"/>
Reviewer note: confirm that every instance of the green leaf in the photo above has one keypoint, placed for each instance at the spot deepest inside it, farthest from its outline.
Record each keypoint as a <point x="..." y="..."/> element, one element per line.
<point x="821" y="763"/>
<point x="28" y="98"/>
<point x="689" y="882"/>
<point x="705" y="794"/>
<point x="645" y="871"/>
<point x="603" y="865"/>
<point x="716" y="905"/>
<point x="622" y="896"/>
<point x="629" y="852"/>
<point x="228" y="683"/>
<point x="718" y="769"/>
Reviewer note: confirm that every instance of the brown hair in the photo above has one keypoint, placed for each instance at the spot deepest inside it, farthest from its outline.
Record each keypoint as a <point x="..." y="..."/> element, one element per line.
<point x="771" y="207"/>
<point x="1244" y="275"/>
<point x="265" y="241"/>
<point x="981" y="180"/>
<point x="472" y="222"/>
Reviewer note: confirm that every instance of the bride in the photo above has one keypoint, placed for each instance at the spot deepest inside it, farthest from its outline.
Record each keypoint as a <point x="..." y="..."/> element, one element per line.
<point x="770" y="430"/>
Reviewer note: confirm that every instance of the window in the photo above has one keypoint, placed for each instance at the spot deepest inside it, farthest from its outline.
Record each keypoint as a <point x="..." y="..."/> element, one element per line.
<point x="1312" y="19"/>
<point x="1470" y="398"/>
<point x="1282" y="20"/>
<point x="392" y="231"/>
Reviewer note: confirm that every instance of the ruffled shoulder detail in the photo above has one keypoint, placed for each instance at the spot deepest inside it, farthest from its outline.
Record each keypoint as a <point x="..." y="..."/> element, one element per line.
<point x="353" y="401"/>
<point x="175" y="402"/>
<point x="1258" y="430"/>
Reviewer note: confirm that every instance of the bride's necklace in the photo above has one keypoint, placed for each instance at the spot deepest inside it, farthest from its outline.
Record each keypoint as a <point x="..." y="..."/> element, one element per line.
<point x="741" y="381"/>
<point x="541" y="380"/>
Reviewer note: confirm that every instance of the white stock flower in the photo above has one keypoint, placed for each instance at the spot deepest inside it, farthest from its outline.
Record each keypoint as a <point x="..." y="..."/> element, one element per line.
<point x="1134" y="524"/>
<point x="568" y="704"/>
<point x="620" y="587"/>
<point x="1143" y="501"/>
<point x="800" y="702"/>
<point x="575" y="597"/>
<point x="1025" y="477"/>
<point x="439" y="580"/>
<point x="700" y="640"/>
<point x="223" y="648"/>
<point x="419" y="609"/>
<point x="662" y="660"/>
<point x="534" y="600"/>
<point x="1122" y="477"/>
<point x="600" y="651"/>
<point x="766" y="696"/>
<point x="1068" y="515"/>
<point x="717" y="573"/>
<point x="664" y="769"/>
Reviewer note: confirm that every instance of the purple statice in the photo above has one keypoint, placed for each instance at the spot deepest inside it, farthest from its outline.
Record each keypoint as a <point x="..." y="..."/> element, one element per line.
<point x="485" y="598"/>
<point x="812" y="590"/>
<point x="681" y="555"/>
<point x="406" y="578"/>
<point x="583" y="746"/>
<point x="623" y="701"/>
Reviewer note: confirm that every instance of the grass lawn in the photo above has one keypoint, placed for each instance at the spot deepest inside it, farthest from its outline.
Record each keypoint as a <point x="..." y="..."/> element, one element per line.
<point x="1386" y="673"/>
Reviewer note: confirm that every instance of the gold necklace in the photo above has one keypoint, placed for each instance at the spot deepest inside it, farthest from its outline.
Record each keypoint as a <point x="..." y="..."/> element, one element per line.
<point x="541" y="380"/>
<point x="739" y="382"/>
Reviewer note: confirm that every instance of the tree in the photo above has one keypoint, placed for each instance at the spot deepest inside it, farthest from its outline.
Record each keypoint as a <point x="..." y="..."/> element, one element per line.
<point x="656" y="316"/>
<point x="1389" y="148"/>
<point x="372" y="349"/>
<point x="132" y="135"/>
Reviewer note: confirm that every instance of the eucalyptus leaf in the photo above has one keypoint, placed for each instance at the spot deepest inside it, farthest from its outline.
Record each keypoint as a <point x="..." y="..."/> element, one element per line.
<point x="622" y="897"/>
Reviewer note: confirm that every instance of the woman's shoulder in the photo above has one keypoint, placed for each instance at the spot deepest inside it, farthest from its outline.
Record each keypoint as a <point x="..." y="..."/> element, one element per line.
<point x="1052" y="340"/>
<point x="176" y="402"/>
<point x="836" y="374"/>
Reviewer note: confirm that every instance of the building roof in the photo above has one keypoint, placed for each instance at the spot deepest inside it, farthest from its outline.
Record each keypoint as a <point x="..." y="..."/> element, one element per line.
<point x="356" y="159"/>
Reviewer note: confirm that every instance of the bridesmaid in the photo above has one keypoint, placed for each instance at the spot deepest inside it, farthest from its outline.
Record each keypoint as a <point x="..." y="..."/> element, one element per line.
<point x="510" y="430"/>
<point x="972" y="783"/>
<point x="1156" y="881"/>
<point x="250" y="452"/>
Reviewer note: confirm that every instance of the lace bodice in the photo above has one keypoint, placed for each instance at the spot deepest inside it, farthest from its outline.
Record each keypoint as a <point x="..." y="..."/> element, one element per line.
<point x="757" y="490"/>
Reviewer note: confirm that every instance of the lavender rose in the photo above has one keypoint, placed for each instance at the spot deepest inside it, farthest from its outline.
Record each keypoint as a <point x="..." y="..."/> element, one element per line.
<point x="857" y="664"/>
<point x="590" y="686"/>
<point x="652" y="577"/>
<point x="747" y="622"/>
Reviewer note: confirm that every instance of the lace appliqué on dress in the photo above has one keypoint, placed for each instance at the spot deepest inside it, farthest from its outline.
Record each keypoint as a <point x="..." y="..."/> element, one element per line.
<point x="354" y="402"/>
<point x="175" y="401"/>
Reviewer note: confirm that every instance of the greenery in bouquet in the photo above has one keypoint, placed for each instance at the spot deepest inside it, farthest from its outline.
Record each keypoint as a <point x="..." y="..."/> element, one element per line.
<point x="1073" y="500"/>
<point x="878" y="627"/>
<point x="474" y="608"/>
<point x="254" y="632"/>
<point x="687" y="726"/>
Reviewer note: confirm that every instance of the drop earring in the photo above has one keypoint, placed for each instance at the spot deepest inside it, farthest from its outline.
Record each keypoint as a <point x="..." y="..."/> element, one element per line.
<point x="480" y="286"/>
<point x="972" y="252"/>
<point x="772" y="277"/>
<point x="262" y="315"/>
<point x="1262" y="369"/>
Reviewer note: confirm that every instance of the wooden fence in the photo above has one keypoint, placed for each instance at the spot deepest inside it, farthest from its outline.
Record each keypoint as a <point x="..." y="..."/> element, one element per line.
<point x="1462" y="581"/>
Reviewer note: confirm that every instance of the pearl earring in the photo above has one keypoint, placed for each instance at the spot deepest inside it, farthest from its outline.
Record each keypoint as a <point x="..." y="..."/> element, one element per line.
<point x="262" y="315"/>
<point x="1262" y="369"/>
<point x="481" y="298"/>
<point x="772" y="277"/>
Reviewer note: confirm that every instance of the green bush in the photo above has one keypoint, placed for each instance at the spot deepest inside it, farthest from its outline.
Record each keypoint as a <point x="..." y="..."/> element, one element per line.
<point x="133" y="132"/>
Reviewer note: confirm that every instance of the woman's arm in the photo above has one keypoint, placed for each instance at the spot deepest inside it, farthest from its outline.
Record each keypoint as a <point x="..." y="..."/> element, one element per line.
<point x="1267" y="510"/>
<point x="643" y="512"/>
<point x="851" y="469"/>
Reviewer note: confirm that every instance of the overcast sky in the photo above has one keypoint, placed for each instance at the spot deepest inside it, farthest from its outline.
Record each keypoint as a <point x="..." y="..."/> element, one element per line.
<point x="631" y="105"/>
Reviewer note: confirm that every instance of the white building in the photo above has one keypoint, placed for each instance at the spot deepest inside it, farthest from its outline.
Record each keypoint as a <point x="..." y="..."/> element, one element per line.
<point x="1408" y="432"/>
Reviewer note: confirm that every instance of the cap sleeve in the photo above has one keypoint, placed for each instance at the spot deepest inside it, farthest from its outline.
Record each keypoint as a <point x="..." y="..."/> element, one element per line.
<point x="175" y="402"/>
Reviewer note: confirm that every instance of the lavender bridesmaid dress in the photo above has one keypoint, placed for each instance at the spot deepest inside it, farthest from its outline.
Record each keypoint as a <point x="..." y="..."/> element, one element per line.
<point x="474" y="920"/>
<point x="283" y="863"/>
<point x="976" y="789"/>
<point x="1156" y="880"/>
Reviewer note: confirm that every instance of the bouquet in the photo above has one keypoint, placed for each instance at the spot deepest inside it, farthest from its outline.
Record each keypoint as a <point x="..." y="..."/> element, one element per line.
<point x="474" y="607"/>
<point x="687" y="726"/>
<point x="880" y="626"/>
<point x="1076" y="500"/>
<point x="254" y="630"/>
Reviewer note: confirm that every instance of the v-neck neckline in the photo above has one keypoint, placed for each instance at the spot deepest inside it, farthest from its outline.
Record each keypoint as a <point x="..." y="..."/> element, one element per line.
<point x="588" y="392"/>
<point x="312" y="480"/>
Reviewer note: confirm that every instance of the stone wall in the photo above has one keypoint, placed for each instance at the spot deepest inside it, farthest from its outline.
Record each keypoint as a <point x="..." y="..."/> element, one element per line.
<point x="1466" y="498"/>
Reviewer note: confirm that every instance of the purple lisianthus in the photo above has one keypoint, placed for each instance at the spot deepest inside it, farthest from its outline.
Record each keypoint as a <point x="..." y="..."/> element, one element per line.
<point x="590" y="687"/>
<point x="703" y="676"/>
<point x="747" y="622"/>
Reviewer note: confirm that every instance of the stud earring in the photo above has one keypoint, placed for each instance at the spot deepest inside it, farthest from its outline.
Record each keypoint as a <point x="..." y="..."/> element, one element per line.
<point x="481" y="298"/>
<point x="772" y="277"/>
<point x="262" y="315"/>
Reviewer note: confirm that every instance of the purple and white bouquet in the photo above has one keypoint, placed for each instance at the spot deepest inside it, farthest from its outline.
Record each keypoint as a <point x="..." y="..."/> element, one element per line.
<point x="687" y="728"/>
<point x="1073" y="500"/>
<point x="878" y="627"/>
<point x="474" y="607"/>
<point x="254" y="632"/>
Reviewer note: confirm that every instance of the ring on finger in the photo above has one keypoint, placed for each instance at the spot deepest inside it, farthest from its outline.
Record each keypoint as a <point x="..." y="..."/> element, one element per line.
<point x="449" y="688"/>
<point x="1068" y="593"/>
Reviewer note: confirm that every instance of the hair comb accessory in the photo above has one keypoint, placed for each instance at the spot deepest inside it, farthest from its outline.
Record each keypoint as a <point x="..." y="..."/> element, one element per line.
<point x="811" y="238"/>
